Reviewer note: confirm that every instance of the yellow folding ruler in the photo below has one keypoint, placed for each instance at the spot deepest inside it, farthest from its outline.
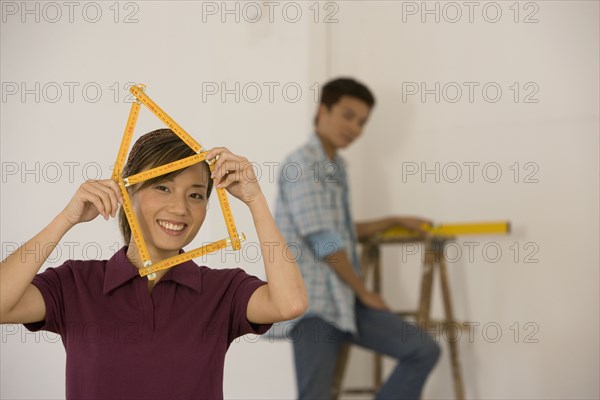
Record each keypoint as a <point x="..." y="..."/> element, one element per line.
<point x="480" y="228"/>
<point x="150" y="268"/>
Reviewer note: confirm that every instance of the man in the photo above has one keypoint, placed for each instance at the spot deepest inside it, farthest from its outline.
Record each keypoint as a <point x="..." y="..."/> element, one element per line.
<point x="313" y="213"/>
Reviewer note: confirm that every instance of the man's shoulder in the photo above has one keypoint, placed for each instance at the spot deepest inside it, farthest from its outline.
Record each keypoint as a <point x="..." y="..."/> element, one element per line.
<point x="305" y="154"/>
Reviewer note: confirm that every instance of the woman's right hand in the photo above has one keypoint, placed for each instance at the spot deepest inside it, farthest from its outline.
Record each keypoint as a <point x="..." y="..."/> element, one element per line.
<point x="92" y="198"/>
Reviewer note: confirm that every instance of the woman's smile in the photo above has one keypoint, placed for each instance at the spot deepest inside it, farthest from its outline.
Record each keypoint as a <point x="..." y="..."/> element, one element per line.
<point x="171" y="227"/>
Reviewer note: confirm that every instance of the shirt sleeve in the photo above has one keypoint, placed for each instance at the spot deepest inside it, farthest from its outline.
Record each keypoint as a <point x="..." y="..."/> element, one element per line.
<point x="53" y="285"/>
<point x="243" y="286"/>
<point x="325" y="243"/>
<point x="306" y="198"/>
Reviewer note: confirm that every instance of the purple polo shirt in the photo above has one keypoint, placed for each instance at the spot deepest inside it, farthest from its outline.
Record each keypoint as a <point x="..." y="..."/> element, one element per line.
<point x="124" y="342"/>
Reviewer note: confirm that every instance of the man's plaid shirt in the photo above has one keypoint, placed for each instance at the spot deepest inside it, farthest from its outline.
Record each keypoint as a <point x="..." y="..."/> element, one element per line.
<point x="313" y="214"/>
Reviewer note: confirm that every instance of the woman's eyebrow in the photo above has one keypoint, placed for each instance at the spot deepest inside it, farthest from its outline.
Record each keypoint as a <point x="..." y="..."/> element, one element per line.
<point x="195" y="185"/>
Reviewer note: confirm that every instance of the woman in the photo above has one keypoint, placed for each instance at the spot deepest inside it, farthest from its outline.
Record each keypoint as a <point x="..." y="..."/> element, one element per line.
<point x="129" y="337"/>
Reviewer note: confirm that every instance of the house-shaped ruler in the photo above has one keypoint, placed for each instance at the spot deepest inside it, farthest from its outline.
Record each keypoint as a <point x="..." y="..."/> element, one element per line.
<point x="149" y="267"/>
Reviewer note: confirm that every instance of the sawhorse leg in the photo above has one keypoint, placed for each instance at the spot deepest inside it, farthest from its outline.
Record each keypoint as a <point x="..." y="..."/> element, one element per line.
<point x="454" y="360"/>
<point x="434" y="256"/>
<point x="434" y="259"/>
<point x="370" y="261"/>
<point x="426" y="284"/>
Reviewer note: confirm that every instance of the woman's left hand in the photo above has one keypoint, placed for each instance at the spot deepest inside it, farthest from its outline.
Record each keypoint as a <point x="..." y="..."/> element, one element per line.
<point x="234" y="173"/>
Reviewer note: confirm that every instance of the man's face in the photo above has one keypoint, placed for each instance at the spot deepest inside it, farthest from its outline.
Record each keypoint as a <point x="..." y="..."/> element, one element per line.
<point x="343" y="123"/>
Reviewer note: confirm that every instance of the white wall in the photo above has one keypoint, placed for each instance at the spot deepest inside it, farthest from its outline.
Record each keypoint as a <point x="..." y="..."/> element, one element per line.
<point x="182" y="49"/>
<point x="555" y="217"/>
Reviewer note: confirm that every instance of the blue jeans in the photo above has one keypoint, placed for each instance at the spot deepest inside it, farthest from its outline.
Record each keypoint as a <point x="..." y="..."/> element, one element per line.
<point x="316" y="345"/>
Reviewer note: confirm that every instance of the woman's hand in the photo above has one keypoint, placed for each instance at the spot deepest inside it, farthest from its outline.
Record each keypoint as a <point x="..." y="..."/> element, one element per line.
<point x="91" y="199"/>
<point x="235" y="173"/>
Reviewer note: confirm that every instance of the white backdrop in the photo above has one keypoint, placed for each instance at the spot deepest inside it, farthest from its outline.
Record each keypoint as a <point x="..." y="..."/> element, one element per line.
<point x="486" y="110"/>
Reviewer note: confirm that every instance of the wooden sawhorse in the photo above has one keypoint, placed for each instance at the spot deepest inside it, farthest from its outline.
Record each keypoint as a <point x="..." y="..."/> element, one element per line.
<point x="433" y="260"/>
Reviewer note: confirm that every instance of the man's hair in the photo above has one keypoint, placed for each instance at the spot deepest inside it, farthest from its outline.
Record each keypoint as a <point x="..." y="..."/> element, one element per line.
<point x="154" y="149"/>
<point x="333" y="91"/>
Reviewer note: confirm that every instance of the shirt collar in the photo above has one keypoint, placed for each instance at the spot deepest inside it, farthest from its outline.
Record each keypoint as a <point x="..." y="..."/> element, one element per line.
<point x="315" y="142"/>
<point x="120" y="270"/>
<point x="187" y="274"/>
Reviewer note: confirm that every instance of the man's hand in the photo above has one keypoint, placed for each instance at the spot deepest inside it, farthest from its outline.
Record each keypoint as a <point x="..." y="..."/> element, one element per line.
<point x="416" y="224"/>
<point x="373" y="300"/>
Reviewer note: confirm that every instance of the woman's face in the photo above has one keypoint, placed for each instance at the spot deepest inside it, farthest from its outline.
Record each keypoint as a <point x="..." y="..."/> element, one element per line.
<point x="171" y="212"/>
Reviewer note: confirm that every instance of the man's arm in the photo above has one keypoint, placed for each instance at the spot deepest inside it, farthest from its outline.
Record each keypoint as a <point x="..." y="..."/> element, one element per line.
<point x="340" y="263"/>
